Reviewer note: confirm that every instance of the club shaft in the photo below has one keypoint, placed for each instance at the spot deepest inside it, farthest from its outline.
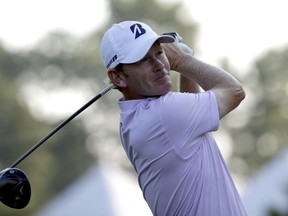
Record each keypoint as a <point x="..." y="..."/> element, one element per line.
<point x="61" y="125"/>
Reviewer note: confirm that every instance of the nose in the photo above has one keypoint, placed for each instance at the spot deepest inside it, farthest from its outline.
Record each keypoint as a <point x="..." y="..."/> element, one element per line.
<point x="158" y="64"/>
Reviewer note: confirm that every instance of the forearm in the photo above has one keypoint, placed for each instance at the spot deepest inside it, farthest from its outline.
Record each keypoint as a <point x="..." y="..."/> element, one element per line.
<point x="207" y="76"/>
<point x="188" y="85"/>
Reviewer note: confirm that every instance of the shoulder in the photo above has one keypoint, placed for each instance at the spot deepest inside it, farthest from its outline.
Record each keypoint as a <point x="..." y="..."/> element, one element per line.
<point x="179" y="97"/>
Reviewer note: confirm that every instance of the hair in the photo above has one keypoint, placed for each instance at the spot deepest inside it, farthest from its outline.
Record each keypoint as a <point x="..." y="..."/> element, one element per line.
<point x="119" y="67"/>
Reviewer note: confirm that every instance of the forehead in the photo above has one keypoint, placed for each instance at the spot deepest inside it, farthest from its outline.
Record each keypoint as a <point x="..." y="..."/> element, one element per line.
<point x="156" y="45"/>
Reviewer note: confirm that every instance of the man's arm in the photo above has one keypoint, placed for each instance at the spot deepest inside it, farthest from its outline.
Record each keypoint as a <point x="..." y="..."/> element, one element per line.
<point x="188" y="85"/>
<point x="185" y="83"/>
<point x="229" y="92"/>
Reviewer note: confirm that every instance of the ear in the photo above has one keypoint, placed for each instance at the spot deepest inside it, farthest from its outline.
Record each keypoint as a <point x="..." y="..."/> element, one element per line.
<point x="117" y="78"/>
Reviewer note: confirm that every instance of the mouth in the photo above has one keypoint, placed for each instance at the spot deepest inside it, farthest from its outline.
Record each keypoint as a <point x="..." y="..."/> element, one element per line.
<point x="162" y="77"/>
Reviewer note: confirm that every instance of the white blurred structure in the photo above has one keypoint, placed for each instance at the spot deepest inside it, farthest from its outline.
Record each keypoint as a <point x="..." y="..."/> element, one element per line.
<point x="268" y="189"/>
<point x="102" y="191"/>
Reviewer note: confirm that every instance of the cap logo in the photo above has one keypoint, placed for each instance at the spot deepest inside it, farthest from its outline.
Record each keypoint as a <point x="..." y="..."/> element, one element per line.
<point x="137" y="30"/>
<point x="113" y="59"/>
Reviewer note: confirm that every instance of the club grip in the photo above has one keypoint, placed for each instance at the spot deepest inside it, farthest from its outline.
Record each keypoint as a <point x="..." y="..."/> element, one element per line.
<point x="178" y="40"/>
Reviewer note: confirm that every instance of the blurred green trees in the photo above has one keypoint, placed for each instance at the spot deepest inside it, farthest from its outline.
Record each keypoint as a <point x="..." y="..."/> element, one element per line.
<point x="259" y="129"/>
<point x="19" y="131"/>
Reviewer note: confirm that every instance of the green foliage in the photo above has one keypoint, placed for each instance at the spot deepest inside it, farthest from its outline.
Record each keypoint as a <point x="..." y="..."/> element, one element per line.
<point x="11" y="64"/>
<point x="265" y="133"/>
<point x="16" y="124"/>
<point x="51" y="167"/>
<point x="275" y="212"/>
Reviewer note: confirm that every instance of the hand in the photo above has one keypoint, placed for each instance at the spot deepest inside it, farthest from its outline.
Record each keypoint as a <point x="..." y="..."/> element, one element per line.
<point x="174" y="54"/>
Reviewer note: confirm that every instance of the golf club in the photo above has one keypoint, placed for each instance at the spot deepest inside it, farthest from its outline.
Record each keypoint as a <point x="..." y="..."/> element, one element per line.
<point x="15" y="190"/>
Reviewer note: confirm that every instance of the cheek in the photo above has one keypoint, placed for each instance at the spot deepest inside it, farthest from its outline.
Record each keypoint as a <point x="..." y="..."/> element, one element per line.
<point x="166" y="63"/>
<point x="136" y="80"/>
<point x="139" y="75"/>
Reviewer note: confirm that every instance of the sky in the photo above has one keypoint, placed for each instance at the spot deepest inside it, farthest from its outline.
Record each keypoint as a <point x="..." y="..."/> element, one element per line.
<point x="238" y="30"/>
<point x="23" y="23"/>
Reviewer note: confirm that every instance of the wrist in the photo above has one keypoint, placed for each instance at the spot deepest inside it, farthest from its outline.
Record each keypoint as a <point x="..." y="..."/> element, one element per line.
<point x="181" y="62"/>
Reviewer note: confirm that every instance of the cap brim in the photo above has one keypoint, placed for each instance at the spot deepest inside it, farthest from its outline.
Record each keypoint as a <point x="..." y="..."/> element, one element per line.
<point x="142" y="49"/>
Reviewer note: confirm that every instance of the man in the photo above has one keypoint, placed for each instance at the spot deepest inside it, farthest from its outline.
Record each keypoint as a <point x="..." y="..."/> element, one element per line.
<point x="167" y="135"/>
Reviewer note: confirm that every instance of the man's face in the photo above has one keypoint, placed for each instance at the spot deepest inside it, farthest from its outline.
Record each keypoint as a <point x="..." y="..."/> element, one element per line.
<point x="148" y="77"/>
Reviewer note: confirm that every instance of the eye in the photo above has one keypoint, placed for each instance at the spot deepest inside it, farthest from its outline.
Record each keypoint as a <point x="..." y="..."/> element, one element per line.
<point x="143" y="60"/>
<point x="159" y="53"/>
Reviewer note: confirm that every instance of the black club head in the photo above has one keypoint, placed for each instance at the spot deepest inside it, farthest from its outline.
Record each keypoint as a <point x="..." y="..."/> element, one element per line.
<point x="15" y="190"/>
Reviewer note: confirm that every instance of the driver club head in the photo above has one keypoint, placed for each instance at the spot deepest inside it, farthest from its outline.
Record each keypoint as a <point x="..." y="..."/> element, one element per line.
<point x="15" y="190"/>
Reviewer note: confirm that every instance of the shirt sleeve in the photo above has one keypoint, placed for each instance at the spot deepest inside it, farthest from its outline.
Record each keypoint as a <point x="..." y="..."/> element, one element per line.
<point x="188" y="117"/>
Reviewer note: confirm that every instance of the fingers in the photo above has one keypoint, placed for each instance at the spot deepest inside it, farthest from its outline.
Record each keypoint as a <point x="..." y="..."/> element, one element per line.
<point x="174" y="54"/>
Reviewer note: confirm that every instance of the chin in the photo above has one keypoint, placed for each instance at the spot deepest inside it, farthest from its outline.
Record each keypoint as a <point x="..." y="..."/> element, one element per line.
<point x="165" y="89"/>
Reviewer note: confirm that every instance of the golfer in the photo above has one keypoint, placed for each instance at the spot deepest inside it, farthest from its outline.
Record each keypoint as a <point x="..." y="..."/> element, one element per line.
<point x="167" y="135"/>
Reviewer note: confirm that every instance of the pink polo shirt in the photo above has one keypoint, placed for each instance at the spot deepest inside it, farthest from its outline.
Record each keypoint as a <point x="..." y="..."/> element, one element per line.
<point x="180" y="168"/>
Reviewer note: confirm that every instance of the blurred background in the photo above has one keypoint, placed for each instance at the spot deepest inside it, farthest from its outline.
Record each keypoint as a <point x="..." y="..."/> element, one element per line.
<point x="50" y="65"/>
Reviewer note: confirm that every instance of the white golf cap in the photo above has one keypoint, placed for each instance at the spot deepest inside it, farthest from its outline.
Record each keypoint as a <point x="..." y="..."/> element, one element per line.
<point x="128" y="42"/>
